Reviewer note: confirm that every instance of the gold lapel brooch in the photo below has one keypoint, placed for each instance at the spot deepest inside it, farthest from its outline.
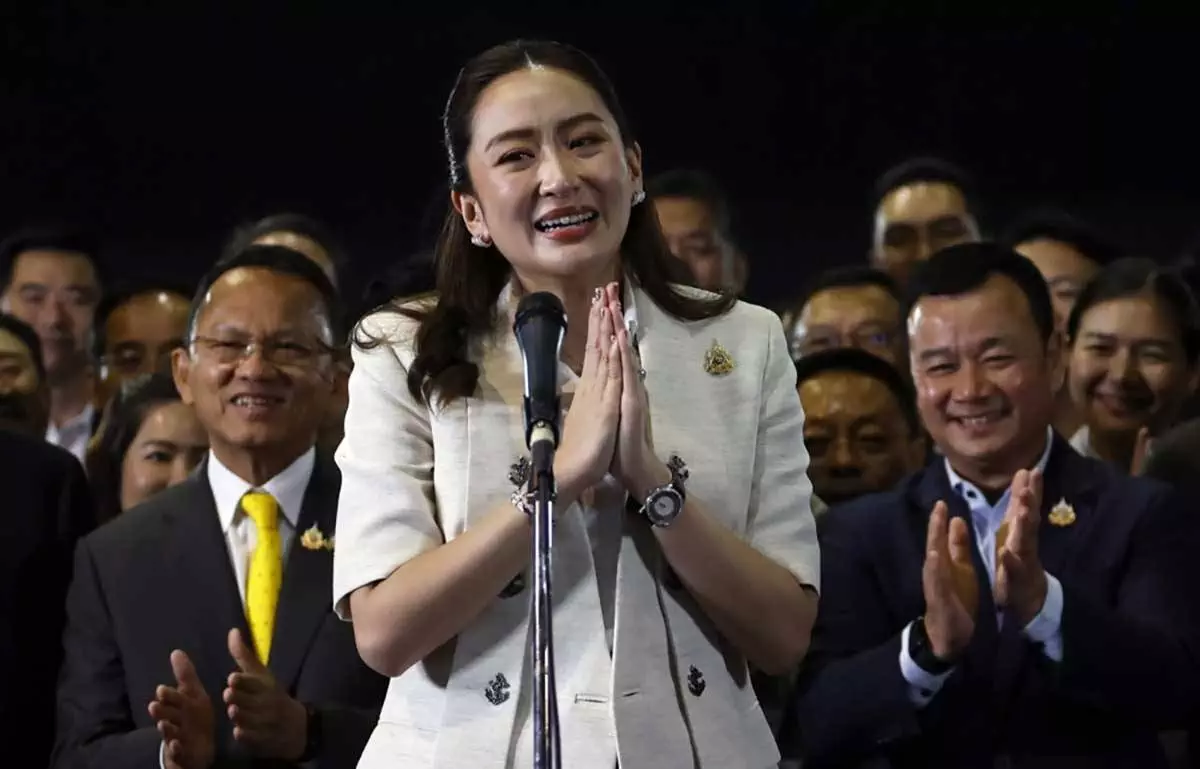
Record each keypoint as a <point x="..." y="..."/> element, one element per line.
<point x="1062" y="514"/>
<point x="717" y="360"/>
<point x="314" y="539"/>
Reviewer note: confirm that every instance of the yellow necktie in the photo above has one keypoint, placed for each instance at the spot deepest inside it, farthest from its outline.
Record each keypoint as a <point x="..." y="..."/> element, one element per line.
<point x="266" y="570"/>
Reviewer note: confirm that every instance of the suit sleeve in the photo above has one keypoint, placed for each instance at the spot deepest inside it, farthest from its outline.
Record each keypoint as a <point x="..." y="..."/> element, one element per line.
<point x="1140" y="657"/>
<point x="345" y="732"/>
<point x="852" y="700"/>
<point x="96" y="729"/>
<point x="65" y="515"/>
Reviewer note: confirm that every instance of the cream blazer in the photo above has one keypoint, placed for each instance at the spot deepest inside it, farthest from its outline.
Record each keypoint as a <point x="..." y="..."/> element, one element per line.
<point x="673" y="694"/>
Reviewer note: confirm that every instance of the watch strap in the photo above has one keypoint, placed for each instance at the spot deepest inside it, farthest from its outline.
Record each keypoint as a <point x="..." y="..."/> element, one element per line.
<point x="921" y="650"/>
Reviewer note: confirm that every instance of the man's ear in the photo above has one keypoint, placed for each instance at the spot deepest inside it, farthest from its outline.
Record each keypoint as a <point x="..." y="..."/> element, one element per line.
<point x="181" y="371"/>
<point x="468" y="208"/>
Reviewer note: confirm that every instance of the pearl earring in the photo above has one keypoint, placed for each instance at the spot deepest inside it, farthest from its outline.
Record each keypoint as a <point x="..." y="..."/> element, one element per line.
<point x="639" y="197"/>
<point x="481" y="241"/>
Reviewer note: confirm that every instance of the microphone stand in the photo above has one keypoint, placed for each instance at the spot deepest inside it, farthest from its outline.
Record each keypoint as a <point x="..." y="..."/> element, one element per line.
<point x="547" y="748"/>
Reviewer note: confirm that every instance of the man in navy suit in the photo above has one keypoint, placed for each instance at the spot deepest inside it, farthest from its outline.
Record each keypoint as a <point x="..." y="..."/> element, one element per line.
<point x="1014" y="604"/>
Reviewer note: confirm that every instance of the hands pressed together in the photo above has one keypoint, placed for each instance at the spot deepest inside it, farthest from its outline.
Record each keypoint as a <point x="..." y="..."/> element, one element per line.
<point x="607" y="429"/>
<point x="265" y="718"/>
<point x="949" y="581"/>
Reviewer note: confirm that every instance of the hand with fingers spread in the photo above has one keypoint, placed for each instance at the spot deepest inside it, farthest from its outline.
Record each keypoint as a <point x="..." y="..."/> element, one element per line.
<point x="265" y="719"/>
<point x="589" y="434"/>
<point x="184" y="717"/>
<point x="949" y="584"/>
<point x="1020" y="580"/>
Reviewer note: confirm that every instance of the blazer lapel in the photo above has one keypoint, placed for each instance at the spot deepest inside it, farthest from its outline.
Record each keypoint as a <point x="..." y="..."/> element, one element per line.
<point x="197" y="554"/>
<point x="304" y="599"/>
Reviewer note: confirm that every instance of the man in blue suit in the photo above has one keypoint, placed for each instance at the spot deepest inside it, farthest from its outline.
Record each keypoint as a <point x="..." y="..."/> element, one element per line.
<point x="1013" y="604"/>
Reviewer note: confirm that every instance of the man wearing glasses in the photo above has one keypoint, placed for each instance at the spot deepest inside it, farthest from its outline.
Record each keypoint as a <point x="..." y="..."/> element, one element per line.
<point x="850" y="307"/>
<point x="200" y="631"/>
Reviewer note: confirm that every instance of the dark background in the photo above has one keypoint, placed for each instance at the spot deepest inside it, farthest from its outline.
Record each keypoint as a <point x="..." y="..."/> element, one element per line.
<point x="162" y="128"/>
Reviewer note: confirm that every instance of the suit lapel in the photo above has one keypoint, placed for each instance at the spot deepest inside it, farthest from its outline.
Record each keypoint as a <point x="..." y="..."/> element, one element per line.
<point x="304" y="599"/>
<point x="197" y="554"/>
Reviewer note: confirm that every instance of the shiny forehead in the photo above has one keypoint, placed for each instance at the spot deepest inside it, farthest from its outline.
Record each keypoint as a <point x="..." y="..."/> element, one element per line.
<point x="532" y="98"/>
<point x="996" y="310"/>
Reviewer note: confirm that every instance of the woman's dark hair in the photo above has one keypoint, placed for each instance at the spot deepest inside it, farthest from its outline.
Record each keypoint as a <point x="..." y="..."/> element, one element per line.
<point x="123" y="417"/>
<point x="469" y="279"/>
<point x="1129" y="277"/>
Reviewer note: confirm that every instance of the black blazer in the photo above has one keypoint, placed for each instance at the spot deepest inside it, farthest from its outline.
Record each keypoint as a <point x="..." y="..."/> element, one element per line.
<point x="46" y="508"/>
<point x="158" y="578"/>
<point x="1131" y="655"/>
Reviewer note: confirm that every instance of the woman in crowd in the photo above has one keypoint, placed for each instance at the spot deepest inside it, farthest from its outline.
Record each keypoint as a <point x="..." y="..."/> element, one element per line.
<point x="684" y="540"/>
<point x="1134" y="343"/>
<point x="150" y="440"/>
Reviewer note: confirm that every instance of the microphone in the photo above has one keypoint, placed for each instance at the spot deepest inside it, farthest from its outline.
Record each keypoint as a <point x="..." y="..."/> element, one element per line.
<point x="540" y="326"/>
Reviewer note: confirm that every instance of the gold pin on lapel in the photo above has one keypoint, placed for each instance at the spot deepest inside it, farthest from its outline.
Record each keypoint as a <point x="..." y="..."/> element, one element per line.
<point x="717" y="360"/>
<point x="315" y="539"/>
<point x="1062" y="514"/>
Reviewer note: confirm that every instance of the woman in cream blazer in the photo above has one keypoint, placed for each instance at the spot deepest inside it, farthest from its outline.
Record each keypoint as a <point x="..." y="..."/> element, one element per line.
<point x="654" y="626"/>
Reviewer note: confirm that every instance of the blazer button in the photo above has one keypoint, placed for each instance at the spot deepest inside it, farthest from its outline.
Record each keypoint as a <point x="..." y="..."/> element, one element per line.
<point x="514" y="587"/>
<point x="497" y="691"/>
<point x="695" y="681"/>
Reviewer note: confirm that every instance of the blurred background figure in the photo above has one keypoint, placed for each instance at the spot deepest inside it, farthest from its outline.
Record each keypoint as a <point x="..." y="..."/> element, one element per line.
<point x="860" y="424"/>
<point x="47" y="508"/>
<point x="857" y="307"/>
<point x="696" y="221"/>
<point x="150" y="440"/>
<point x="1068" y="252"/>
<point x="137" y="328"/>
<point x="24" y="391"/>
<point x="921" y="206"/>
<point x="1134" y="341"/>
<point x="298" y="232"/>
<point x="49" y="280"/>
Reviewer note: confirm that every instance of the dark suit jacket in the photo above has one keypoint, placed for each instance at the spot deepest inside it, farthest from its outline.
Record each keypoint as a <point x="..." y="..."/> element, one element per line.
<point x="1131" y="657"/>
<point x="46" y="508"/>
<point x="158" y="578"/>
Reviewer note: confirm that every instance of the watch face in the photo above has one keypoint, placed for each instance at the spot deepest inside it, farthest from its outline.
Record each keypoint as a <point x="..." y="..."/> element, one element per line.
<point x="664" y="506"/>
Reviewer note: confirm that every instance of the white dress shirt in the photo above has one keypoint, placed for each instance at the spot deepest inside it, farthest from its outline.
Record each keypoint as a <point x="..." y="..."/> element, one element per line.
<point x="241" y="535"/>
<point x="74" y="434"/>
<point x="1044" y="629"/>
<point x="239" y="530"/>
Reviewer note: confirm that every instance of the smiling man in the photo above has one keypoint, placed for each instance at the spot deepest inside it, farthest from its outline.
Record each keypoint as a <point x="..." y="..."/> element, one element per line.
<point x="212" y="599"/>
<point x="1014" y="602"/>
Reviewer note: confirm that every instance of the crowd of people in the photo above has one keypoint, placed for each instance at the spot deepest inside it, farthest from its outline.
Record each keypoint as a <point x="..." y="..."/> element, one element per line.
<point x="932" y="513"/>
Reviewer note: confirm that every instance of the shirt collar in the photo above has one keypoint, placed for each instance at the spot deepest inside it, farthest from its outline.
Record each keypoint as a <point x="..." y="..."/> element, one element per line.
<point x="962" y="485"/>
<point x="287" y="488"/>
<point x="1081" y="441"/>
<point x="72" y="427"/>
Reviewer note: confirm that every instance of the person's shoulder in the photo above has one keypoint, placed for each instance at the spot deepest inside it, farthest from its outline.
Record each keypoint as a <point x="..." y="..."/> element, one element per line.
<point x="142" y="525"/>
<point x="26" y="456"/>
<point x="393" y="326"/>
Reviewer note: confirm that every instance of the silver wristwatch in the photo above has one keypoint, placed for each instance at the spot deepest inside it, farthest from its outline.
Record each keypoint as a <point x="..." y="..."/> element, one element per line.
<point x="664" y="504"/>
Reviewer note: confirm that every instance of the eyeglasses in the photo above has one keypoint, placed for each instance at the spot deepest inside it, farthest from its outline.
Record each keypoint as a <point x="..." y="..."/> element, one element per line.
<point x="279" y="353"/>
